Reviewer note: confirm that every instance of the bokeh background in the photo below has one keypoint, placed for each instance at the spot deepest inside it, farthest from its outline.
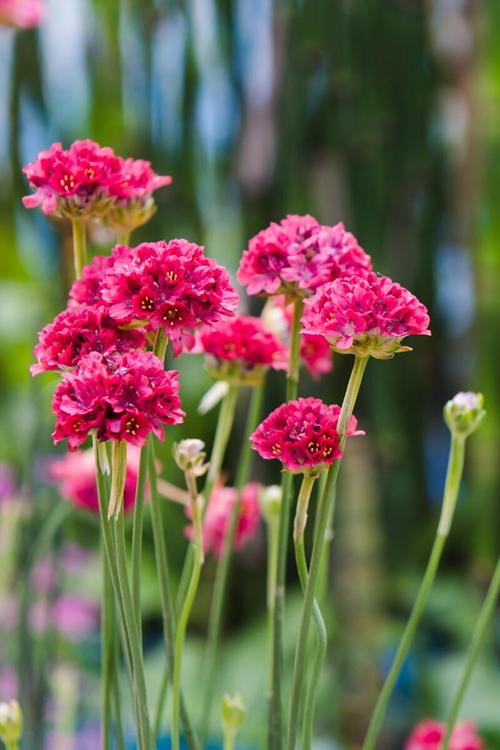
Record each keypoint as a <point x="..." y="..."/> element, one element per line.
<point x="385" y="115"/>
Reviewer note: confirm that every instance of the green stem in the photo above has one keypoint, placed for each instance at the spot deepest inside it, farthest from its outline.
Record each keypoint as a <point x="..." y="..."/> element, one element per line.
<point x="119" y="738"/>
<point x="186" y="607"/>
<point x="123" y="238"/>
<point x="223" y="564"/>
<point x="482" y="625"/>
<point x="325" y="509"/>
<point x="160" y="703"/>
<point x="107" y="652"/>
<point x="276" y="730"/>
<point x="160" y="344"/>
<point x="79" y="246"/>
<point x="452" y="486"/>
<point x="272" y="571"/>
<point x="137" y="532"/>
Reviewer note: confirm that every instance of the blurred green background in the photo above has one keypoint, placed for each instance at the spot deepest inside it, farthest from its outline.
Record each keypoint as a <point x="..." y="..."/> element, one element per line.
<point x="385" y="115"/>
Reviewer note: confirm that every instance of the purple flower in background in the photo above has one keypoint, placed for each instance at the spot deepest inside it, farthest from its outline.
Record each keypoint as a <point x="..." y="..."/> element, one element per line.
<point x="7" y="481"/>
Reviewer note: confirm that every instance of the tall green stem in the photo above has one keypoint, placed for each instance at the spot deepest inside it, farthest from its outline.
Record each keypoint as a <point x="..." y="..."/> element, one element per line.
<point x="123" y="238"/>
<point x="137" y="532"/>
<point x="107" y="658"/>
<point x="275" y="716"/>
<point x="452" y="486"/>
<point x="221" y="576"/>
<point x="79" y="246"/>
<point x="482" y="625"/>
<point x="325" y="508"/>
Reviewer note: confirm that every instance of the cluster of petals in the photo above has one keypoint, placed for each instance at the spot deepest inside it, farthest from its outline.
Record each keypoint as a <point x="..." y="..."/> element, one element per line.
<point x="74" y="475"/>
<point x="365" y="315"/>
<point x="22" y="14"/>
<point x="428" y="736"/>
<point x="218" y="516"/>
<point x="76" y="332"/>
<point x="170" y="285"/>
<point x="240" y="346"/>
<point x="87" y="180"/>
<point x="302" y="434"/>
<point x="87" y="289"/>
<point x="298" y="255"/>
<point x="119" y="396"/>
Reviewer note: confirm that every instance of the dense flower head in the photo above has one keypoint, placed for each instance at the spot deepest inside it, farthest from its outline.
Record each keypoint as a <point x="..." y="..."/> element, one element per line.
<point x="170" y="285"/>
<point x="302" y="434"/>
<point x="241" y="349"/>
<point x="87" y="289"/>
<point x="365" y="315"/>
<point x="218" y="516"/>
<point x="299" y="254"/>
<point x="76" y="332"/>
<point x="22" y="14"/>
<point x="428" y="736"/>
<point x="120" y="396"/>
<point x="88" y="181"/>
<point x="74" y="475"/>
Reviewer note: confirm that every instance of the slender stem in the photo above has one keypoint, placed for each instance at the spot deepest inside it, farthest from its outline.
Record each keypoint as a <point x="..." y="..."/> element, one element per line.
<point x="160" y="703"/>
<point x="325" y="508"/>
<point x="137" y="532"/>
<point x="223" y="564"/>
<point x="482" y="625"/>
<point x="186" y="607"/>
<point x="452" y="486"/>
<point x="272" y="573"/>
<point x="107" y="652"/>
<point x="276" y="731"/>
<point x="79" y="246"/>
<point x="123" y="238"/>
<point x="119" y="738"/>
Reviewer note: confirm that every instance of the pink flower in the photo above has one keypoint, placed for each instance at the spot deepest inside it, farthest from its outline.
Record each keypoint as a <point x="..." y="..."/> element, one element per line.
<point x="87" y="289"/>
<point x="365" y="315"/>
<point x="297" y="255"/>
<point x="241" y="349"/>
<point x="170" y="285"/>
<point x="87" y="181"/>
<point x="74" y="475"/>
<point x="218" y="515"/>
<point x="121" y="396"/>
<point x="76" y="332"/>
<point x="302" y="434"/>
<point x="75" y="618"/>
<point x="428" y="735"/>
<point x="23" y="14"/>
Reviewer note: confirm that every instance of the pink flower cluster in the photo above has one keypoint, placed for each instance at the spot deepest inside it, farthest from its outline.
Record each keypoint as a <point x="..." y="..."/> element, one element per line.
<point x="87" y="180"/>
<point x="365" y="315"/>
<point x="241" y="348"/>
<point x="120" y="396"/>
<point x="22" y="14"/>
<point x="429" y="734"/>
<point x="218" y="515"/>
<point x="298" y="255"/>
<point x="302" y="434"/>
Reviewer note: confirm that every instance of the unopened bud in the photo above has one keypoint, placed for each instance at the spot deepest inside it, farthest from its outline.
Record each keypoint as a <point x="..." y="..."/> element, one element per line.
<point x="233" y="713"/>
<point x="270" y="502"/>
<point x="190" y="456"/>
<point x="464" y="413"/>
<point x="11" y="720"/>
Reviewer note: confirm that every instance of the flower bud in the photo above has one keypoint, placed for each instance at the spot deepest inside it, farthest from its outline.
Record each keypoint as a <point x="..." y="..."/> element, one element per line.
<point x="233" y="713"/>
<point x="464" y="413"/>
<point x="270" y="502"/>
<point x="190" y="456"/>
<point x="11" y="720"/>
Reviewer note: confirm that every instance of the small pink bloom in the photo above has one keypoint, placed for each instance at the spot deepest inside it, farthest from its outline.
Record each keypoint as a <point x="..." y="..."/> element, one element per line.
<point x="302" y="434"/>
<point x="9" y="683"/>
<point x="87" y="289"/>
<point x="43" y="576"/>
<point x="23" y="14"/>
<point x="75" y="618"/>
<point x="365" y="315"/>
<point x="121" y="396"/>
<point x="428" y="735"/>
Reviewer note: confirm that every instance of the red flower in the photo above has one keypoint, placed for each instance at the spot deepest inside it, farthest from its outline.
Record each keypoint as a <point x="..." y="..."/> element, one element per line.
<point x="121" y="396"/>
<point x="428" y="735"/>
<point x="302" y="434"/>
<point x="297" y="255"/>
<point x="23" y="14"/>
<point x="365" y="315"/>
<point x="76" y="332"/>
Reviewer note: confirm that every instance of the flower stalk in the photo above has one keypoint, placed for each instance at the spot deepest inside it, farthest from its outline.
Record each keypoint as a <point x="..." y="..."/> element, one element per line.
<point x="79" y="246"/>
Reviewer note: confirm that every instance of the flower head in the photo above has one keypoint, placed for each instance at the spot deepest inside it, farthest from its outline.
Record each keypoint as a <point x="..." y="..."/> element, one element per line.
<point x="22" y="14"/>
<point x="297" y="255"/>
<point x="76" y="332"/>
<point x="120" y="396"/>
<point x="11" y="722"/>
<point x="87" y="289"/>
<point x="241" y="349"/>
<point x="189" y="455"/>
<point x="365" y="315"/>
<point x="170" y="285"/>
<point x="302" y="434"/>
<point x="428" y="736"/>
<point x="464" y="413"/>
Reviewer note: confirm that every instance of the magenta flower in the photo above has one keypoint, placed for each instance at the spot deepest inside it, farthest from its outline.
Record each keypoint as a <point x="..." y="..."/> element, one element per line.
<point x="302" y="434"/>
<point x="22" y="14"/>
<point x="365" y="315"/>
<point x="75" y="618"/>
<point x="170" y="285"/>
<point x="297" y="255"/>
<point x="76" y="332"/>
<point x="120" y="396"/>
<point x="87" y="289"/>
<point x="428" y="735"/>
<point x="218" y="515"/>
<point x="74" y="475"/>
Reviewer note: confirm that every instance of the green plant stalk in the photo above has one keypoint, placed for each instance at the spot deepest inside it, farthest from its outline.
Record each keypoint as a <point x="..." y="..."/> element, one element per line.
<point x="79" y="246"/>
<point x="229" y="739"/>
<point x="186" y="607"/>
<point x="276" y="730"/>
<point x="123" y="238"/>
<point x="160" y="703"/>
<point x="452" y="486"/>
<point x="119" y="738"/>
<point x="136" y="556"/>
<point x="223" y="564"/>
<point x="325" y="509"/>
<point x="482" y="625"/>
<point x="107" y="627"/>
